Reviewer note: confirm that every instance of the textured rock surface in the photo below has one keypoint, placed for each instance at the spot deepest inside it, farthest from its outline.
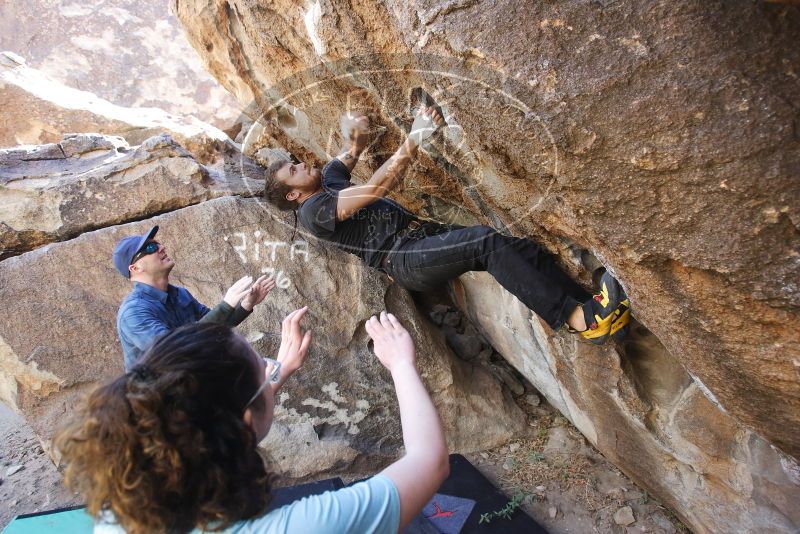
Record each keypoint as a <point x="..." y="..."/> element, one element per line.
<point x="129" y="52"/>
<point x="644" y="412"/>
<point x="39" y="109"/>
<point x="53" y="192"/>
<point x="659" y="138"/>
<point x="61" y="338"/>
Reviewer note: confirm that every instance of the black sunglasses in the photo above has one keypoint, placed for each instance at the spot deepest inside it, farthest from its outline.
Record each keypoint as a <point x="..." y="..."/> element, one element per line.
<point x="149" y="248"/>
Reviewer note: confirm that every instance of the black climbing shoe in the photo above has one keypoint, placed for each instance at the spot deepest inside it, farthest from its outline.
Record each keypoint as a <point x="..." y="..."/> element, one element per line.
<point x="597" y="275"/>
<point x="600" y="312"/>
<point x="621" y="323"/>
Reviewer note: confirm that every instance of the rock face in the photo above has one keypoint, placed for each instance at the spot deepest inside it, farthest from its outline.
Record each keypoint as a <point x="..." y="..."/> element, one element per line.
<point x="61" y="339"/>
<point x="130" y="53"/>
<point x="636" y="135"/>
<point x="56" y="191"/>
<point x="39" y="109"/>
<point x="646" y="414"/>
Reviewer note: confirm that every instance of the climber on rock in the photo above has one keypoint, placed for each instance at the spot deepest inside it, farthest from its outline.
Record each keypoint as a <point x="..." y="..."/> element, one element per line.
<point x="421" y="255"/>
<point x="155" y="307"/>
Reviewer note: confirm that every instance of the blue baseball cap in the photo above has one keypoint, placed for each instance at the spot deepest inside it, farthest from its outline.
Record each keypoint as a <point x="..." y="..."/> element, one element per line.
<point x="127" y="248"/>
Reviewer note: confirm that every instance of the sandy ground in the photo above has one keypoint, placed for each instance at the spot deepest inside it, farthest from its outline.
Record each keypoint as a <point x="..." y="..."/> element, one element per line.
<point x="37" y="485"/>
<point x="566" y="484"/>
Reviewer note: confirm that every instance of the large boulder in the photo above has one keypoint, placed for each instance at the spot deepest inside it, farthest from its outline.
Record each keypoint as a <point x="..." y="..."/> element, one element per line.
<point x="660" y="139"/>
<point x="39" y="109"/>
<point x="645" y="413"/>
<point x="59" y="338"/>
<point x="132" y="53"/>
<point x="56" y="191"/>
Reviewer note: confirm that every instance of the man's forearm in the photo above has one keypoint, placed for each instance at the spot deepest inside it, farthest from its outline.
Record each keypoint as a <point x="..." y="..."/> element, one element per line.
<point x="219" y="314"/>
<point x="387" y="174"/>
<point x="350" y="156"/>
<point x="239" y="314"/>
<point x="358" y="196"/>
<point x="394" y="168"/>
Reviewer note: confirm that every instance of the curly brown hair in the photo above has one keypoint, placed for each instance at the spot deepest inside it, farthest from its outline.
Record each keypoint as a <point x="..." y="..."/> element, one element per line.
<point x="275" y="191"/>
<point x="165" y="447"/>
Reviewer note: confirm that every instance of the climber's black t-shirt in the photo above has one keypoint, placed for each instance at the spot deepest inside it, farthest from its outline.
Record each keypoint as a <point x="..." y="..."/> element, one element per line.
<point x="369" y="233"/>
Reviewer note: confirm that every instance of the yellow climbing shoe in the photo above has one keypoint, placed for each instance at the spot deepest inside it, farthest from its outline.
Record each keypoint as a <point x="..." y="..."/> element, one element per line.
<point x="600" y="312"/>
<point x="621" y="322"/>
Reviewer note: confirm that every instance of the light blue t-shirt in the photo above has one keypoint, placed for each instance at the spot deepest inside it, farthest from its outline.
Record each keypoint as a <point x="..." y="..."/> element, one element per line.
<point x="371" y="506"/>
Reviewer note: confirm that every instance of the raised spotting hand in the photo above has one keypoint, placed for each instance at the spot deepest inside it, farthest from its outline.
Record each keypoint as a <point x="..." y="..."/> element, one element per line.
<point x="423" y="467"/>
<point x="258" y="292"/>
<point x="294" y="343"/>
<point x="392" y="343"/>
<point x="238" y="291"/>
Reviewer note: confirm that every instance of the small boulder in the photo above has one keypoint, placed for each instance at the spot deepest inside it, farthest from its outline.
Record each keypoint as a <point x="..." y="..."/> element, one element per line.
<point x="466" y="347"/>
<point x="533" y="399"/>
<point x="437" y="313"/>
<point x="452" y="318"/>
<point x="624" y="516"/>
<point x="509" y="380"/>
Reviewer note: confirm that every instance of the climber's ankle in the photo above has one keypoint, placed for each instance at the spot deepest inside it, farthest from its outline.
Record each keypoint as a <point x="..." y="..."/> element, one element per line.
<point x="576" y="319"/>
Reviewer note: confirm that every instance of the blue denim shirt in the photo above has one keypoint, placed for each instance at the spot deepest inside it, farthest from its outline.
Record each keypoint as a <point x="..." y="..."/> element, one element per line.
<point x="147" y="312"/>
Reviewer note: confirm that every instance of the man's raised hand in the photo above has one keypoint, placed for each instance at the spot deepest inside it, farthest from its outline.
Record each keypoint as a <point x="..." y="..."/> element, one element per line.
<point x="238" y="291"/>
<point x="258" y="292"/>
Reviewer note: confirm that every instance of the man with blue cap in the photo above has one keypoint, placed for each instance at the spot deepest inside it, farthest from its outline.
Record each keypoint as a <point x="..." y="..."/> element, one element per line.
<point x="154" y="306"/>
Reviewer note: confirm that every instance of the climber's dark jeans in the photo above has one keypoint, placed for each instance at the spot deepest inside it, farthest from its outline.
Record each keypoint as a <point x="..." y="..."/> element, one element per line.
<point x="423" y="262"/>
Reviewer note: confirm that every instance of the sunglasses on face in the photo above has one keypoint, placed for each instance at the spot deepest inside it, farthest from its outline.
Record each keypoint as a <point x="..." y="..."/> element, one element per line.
<point x="273" y="377"/>
<point x="149" y="248"/>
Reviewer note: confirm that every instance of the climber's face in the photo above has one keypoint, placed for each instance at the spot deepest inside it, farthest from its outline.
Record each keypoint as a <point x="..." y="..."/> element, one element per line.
<point x="300" y="177"/>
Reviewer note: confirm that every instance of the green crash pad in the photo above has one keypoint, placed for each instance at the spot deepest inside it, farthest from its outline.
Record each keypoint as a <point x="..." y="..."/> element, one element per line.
<point x="61" y="521"/>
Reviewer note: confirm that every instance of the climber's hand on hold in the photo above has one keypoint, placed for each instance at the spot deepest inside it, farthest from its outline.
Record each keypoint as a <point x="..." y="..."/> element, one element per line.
<point x="355" y="128"/>
<point x="355" y="131"/>
<point x="427" y="121"/>
<point x="353" y="198"/>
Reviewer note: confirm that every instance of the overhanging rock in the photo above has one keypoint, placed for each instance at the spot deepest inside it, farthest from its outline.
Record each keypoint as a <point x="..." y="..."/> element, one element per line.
<point x="645" y="413"/>
<point x="660" y="138"/>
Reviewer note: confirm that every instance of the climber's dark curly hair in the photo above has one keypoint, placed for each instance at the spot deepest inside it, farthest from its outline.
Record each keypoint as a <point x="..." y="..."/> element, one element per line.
<point x="164" y="447"/>
<point x="275" y="191"/>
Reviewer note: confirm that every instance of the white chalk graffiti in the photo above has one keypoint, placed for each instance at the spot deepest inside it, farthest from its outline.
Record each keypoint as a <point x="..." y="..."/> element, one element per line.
<point x="338" y="413"/>
<point x="257" y="250"/>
